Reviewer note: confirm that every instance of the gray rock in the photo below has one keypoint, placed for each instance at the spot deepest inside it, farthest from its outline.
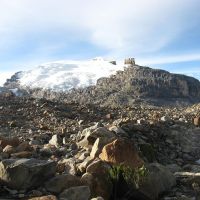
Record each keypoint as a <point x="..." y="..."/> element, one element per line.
<point x="76" y="193"/>
<point x="82" y="167"/>
<point x="174" y="168"/>
<point x="25" y="173"/>
<point x="97" y="178"/>
<point x="58" y="183"/>
<point x="91" y="136"/>
<point x="119" y="131"/>
<point x="158" y="180"/>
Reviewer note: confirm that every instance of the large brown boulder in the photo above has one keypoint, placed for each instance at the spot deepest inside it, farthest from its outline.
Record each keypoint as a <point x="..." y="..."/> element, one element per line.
<point x="121" y="151"/>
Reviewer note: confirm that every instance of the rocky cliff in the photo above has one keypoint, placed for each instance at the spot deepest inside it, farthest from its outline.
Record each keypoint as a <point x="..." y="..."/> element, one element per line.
<point x="137" y="83"/>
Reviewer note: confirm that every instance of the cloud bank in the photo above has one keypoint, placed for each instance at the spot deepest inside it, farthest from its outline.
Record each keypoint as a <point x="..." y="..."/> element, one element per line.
<point x="121" y="27"/>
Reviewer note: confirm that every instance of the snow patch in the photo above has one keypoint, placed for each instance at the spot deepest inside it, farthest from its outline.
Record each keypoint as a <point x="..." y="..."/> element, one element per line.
<point x="65" y="75"/>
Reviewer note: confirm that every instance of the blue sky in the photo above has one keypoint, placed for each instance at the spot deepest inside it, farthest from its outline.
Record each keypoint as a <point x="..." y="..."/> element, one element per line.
<point x="160" y="34"/>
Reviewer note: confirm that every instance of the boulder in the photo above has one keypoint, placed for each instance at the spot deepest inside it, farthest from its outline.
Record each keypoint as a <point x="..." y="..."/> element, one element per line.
<point x="24" y="146"/>
<point x="68" y="166"/>
<point x="98" y="146"/>
<point x="121" y="151"/>
<point x="92" y="135"/>
<point x="78" y="193"/>
<point x="58" y="183"/>
<point x="97" y="179"/>
<point x="158" y="180"/>
<point x="82" y="167"/>
<point x="9" y="141"/>
<point x="98" y="167"/>
<point x="88" y="179"/>
<point x="25" y="173"/>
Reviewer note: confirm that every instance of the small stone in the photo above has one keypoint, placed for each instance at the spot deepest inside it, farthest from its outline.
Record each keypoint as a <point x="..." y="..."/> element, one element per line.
<point x="35" y="193"/>
<point x="24" y="146"/>
<point x="9" y="149"/>
<point x="21" y="195"/>
<point x="119" y="131"/>
<point x="196" y="121"/>
<point x="23" y="154"/>
<point x="34" y="142"/>
<point x="48" y="197"/>
<point x="98" y="198"/>
<point x="56" y="140"/>
<point x="164" y="118"/>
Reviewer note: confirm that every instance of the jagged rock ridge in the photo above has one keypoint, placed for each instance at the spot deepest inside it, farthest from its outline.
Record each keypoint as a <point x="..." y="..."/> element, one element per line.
<point x="141" y="83"/>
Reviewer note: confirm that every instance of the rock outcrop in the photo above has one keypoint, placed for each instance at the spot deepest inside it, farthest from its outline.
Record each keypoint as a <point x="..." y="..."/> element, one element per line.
<point x="25" y="173"/>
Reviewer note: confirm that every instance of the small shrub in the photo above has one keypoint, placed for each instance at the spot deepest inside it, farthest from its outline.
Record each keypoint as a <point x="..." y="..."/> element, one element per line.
<point x="126" y="181"/>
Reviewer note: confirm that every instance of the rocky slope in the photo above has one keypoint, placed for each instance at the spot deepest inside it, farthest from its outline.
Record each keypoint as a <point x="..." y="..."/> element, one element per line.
<point x="103" y="142"/>
<point x="56" y="150"/>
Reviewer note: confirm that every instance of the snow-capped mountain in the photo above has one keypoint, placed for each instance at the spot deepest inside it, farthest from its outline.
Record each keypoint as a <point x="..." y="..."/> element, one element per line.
<point x="65" y="75"/>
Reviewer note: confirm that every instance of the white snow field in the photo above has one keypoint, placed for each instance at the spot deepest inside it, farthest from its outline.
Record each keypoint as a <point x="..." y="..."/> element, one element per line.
<point x="65" y="75"/>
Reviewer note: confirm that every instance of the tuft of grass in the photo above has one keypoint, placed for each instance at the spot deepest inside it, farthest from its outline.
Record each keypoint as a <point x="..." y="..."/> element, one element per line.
<point x="126" y="180"/>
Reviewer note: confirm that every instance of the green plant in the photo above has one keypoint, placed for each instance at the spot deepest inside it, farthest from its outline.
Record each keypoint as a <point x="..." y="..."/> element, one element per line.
<point x="126" y="180"/>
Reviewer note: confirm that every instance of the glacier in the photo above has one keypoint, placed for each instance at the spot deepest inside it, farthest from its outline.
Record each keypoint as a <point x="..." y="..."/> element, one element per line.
<point x="66" y="75"/>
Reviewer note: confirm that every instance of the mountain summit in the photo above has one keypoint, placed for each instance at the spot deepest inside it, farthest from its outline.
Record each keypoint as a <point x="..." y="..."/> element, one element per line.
<point x="104" y="81"/>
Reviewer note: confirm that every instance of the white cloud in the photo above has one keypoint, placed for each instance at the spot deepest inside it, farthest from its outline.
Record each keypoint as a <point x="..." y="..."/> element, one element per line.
<point x="170" y="59"/>
<point x="123" y="27"/>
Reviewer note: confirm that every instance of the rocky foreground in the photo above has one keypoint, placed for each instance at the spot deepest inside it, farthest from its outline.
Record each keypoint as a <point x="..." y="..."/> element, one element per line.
<point x="53" y="150"/>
